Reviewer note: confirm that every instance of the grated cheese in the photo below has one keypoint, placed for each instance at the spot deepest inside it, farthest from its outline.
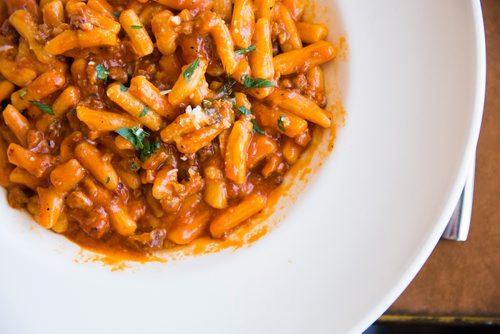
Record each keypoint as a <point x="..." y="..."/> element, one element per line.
<point x="197" y="115"/>
<point x="5" y="47"/>
<point x="175" y="20"/>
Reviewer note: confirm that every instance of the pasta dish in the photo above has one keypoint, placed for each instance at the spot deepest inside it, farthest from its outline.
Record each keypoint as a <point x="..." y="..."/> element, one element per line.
<point x="143" y="124"/>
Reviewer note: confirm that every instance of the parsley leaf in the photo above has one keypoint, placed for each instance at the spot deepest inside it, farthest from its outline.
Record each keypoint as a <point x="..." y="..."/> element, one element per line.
<point x="188" y="72"/>
<point x="22" y="92"/>
<point x="133" y="166"/>
<point x="242" y="110"/>
<point x="108" y="179"/>
<point x="256" y="128"/>
<point x="43" y="107"/>
<point x="249" y="82"/>
<point x="133" y="26"/>
<point x="226" y="88"/>
<point x="251" y="48"/>
<point x="137" y="136"/>
<point x="144" y="112"/>
<point x="102" y="72"/>
<point x="123" y="88"/>
<point x="149" y="148"/>
<point x="209" y="109"/>
<point x="281" y="122"/>
<point x="117" y="14"/>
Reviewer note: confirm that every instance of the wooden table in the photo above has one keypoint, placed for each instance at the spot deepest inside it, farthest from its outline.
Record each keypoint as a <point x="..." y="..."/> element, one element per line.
<point x="461" y="280"/>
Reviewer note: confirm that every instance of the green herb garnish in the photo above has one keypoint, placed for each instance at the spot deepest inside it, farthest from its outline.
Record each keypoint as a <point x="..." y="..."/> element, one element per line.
<point x="73" y="111"/>
<point x="123" y="88"/>
<point x="108" y="179"/>
<point x="256" y="82"/>
<point x="144" y="112"/>
<point x="256" y="128"/>
<point x="137" y="136"/>
<point x="226" y="88"/>
<point x="251" y="48"/>
<point x="133" y="166"/>
<point x="43" y="107"/>
<point x="281" y="122"/>
<point x="213" y="114"/>
<point x="242" y="110"/>
<point x="22" y="92"/>
<point x="133" y="26"/>
<point x="149" y="148"/>
<point x="117" y="14"/>
<point x="188" y="72"/>
<point x="209" y="109"/>
<point x="102" y="72"/>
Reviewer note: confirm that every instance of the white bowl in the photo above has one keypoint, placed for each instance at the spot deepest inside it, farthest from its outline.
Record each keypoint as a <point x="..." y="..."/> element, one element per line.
<point x="413" y="89"/>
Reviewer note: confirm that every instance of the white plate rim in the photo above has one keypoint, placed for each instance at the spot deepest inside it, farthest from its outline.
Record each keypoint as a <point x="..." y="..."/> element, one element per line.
<point x="416" y="264"/>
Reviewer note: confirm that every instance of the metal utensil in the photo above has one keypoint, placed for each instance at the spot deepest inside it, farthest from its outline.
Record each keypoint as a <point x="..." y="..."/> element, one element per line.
<point x="458" y="226"/>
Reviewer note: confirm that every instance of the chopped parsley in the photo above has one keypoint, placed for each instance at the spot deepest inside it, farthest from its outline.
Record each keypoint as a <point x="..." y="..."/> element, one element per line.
<point x="209" y="109"/>
<point x="189" y="71"/>
<point x="137" y="136"/>
<point x="117" y="14"/>
<point x="102" y="72"/>
<point x="123" y="88"/>
<point x="133" y="26"/>
<point x="73" y="110"/>
<point x="43" y="107"/>
<point x="256" y="128"/>
<point x="149" y="148"/>
<point x="251" y="48"/>
<point x="249" y="82"/>
<point x="22" y="92"/>
<point x="242" y="110"/>
<point x="144" y="112"/>
<point x="226" y="88"/>
<point x="108" y="179"/>
<point x="281" y="122"/>
<point x="213" y="114"/>
<point x="133" y="166"/>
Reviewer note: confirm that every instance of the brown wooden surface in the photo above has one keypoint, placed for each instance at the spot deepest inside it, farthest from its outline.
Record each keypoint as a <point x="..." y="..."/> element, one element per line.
<point x="462" y="279"/>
